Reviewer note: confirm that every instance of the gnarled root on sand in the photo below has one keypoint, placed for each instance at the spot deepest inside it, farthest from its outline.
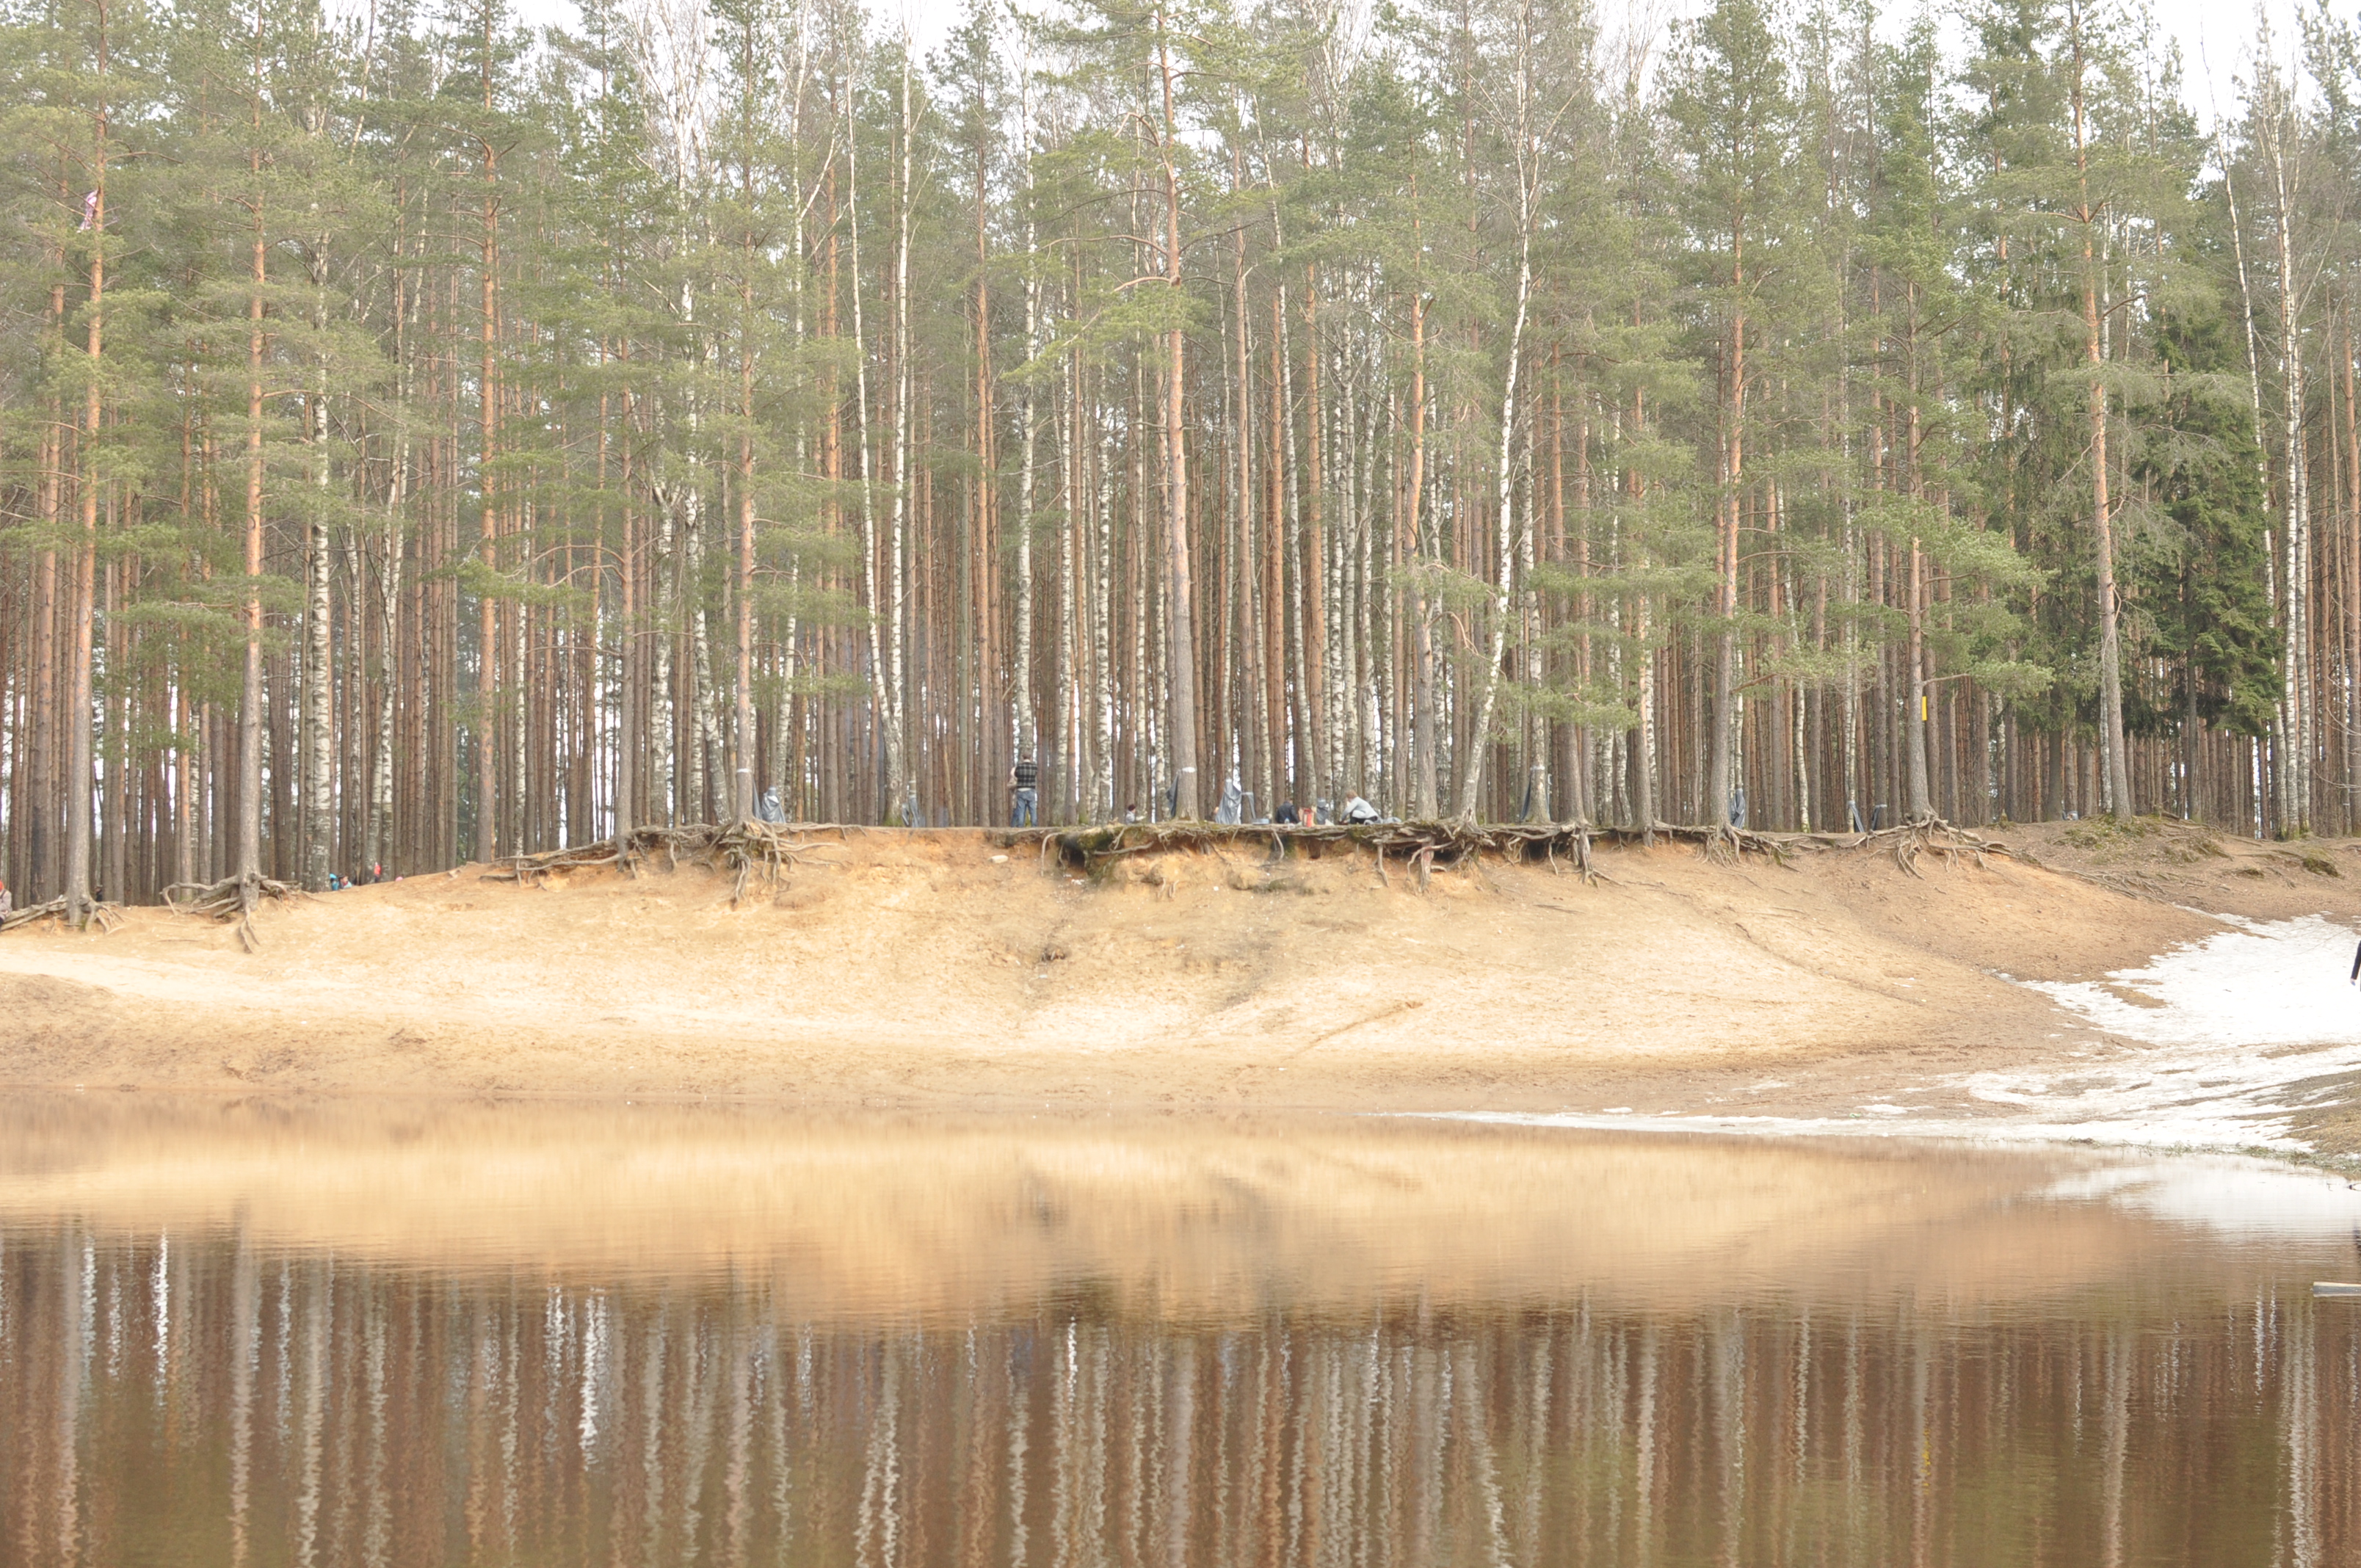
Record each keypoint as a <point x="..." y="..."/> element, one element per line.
<point x="232" y="898"/>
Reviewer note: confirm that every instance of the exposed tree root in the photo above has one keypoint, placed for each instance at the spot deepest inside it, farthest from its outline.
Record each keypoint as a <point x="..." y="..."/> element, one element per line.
<point x="1425" y="845"/>
<point x="746" y="848"/>
<point x="1910" y="839"/>
<point x="33" y="914"/>
<point x="232" y="898"/>
<point x="108" y="916"/>
<point x="771" y="850"/>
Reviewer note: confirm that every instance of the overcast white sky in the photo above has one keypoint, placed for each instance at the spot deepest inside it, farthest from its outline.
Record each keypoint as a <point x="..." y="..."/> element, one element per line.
<point x="2215" y="36"/>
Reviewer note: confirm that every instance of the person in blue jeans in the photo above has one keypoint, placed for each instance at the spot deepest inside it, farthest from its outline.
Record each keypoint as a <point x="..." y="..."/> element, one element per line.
<point x="1024" y="785"/>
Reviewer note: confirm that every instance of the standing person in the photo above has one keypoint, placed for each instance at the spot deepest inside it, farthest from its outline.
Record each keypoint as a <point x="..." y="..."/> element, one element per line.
<point x="1024" y="785"/>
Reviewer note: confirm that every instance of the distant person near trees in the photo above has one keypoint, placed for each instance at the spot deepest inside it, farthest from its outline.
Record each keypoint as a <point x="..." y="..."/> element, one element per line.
<point x="1025" y="786"/>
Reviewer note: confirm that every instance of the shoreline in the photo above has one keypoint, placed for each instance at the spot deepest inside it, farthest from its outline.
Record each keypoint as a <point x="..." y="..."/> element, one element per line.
<point x="1836" y="994"/>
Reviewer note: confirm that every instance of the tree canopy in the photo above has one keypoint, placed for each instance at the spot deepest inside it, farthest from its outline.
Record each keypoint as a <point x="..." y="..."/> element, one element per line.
<point x="424" y="438"/>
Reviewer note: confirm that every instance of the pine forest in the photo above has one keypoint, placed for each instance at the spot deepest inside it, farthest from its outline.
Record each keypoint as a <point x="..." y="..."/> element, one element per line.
<point x="425" y="438"/>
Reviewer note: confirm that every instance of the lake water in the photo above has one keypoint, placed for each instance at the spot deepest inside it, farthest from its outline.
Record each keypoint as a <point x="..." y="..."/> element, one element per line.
<point x="261" y="1334"/>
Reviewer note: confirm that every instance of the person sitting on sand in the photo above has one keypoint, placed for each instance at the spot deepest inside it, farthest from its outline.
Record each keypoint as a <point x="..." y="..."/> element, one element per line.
<point x="1288" y="816"/>
<point x="6" y="899"/>
<point x="1358" y="811"/>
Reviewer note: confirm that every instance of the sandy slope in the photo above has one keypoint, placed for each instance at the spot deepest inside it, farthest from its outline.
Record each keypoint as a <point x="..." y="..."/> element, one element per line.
<point x="946" y="968"/>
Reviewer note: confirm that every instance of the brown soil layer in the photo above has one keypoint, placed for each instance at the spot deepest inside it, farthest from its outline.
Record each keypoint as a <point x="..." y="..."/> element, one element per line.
<point x="961" y="968"/>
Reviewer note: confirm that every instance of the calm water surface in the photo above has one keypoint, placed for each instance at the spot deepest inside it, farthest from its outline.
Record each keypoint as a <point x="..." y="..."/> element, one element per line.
<point x="628" y="1335"/>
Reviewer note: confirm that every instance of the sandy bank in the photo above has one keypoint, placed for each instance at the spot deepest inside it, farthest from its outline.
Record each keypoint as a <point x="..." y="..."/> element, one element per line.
<point x="944" y="968"/>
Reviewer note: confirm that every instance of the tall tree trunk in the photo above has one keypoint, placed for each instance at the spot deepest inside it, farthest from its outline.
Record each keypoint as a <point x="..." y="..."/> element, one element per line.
<point x="487" y="844"/>
<point x="43" y="795"/>
<point x="2295" y="714"/>
<point x="378" y="836"/>
<point x="1427" y="726"/>
<point x="318" y="742"/>
<point x="2255" y="410"/>
<point x="1917" y="798"/>
<point x="741" y="715"/>
<point x="901" y="791"/>
<point x="2110" y="653"/>
<point x="1250" y="543"/>
<point x="2351" y="551"/>
<point x="80" y="763"/>
<point x="1915" y="721"/>
<point x="248" y="857"/>
<point x="1026" y="723"/>
<point x="1311" y="563"/>
<point x="1180" y="624"/>
<point x="1642" y="738"/>
<point x="883" y="691"/>
<point x="1479" y="738"/>
<point x="1727" y="514"/>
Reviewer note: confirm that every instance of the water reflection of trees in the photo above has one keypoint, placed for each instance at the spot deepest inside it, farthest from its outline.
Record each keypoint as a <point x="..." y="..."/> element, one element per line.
<point x="195" y="1400"/>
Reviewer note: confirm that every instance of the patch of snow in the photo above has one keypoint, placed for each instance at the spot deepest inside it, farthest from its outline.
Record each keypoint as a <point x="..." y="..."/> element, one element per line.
<point x="2215" y="1072"/>
<point x="2277" y="985"/>
<point x="2225" y="1004"/>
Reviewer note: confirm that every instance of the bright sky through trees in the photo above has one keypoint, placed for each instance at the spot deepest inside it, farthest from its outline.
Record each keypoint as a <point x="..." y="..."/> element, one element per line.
<point x="2214" y="39"/>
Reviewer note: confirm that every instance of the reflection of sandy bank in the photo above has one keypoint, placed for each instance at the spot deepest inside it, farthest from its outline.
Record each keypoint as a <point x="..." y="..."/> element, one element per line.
<point x="1192" y="1218"/>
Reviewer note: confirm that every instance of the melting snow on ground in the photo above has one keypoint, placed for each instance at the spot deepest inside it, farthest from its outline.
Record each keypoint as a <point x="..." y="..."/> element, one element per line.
<point x="2253" y="985"/>
<point x="2231" y="1026"/>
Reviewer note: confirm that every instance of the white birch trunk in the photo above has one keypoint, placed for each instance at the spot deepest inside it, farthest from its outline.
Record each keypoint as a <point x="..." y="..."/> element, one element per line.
<point x="900" y="792"/>
<point x="1471" y="777"/>
<point x="2295" y="703"/>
